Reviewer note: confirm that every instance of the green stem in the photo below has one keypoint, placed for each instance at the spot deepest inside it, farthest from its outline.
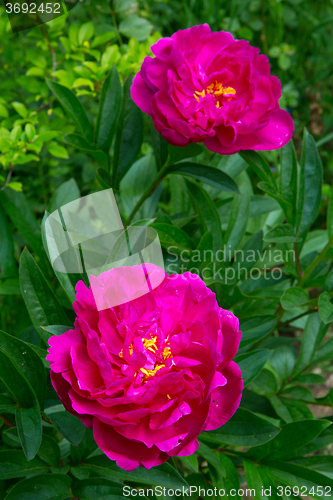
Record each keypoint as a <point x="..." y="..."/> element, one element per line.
<point x="316" y="262"/>
<point x="298" y="260"/>
<point x="148" y="192"/>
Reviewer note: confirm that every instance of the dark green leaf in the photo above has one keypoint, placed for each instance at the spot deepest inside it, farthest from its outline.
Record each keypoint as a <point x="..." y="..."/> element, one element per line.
<point x="292" y="436"/>
<point x="212" y="459"/>
<point x="79" y="142"/>
<point x="172" y="237"/>
<point x="243" y="429"/>
<point x="63" y="278"/>
<point x="282" y="233"/>
<point x="312" y="336"/>
<point x="43" y="306"/>
<point x="163" y="475"/>
<point x="96" y="488"/>
<point x="14" y="464"/>
<point x="260" y="166"/>
<point x="56" y="329"/>
<point x="160" y="147"/>
<point x="103" y="178"/>
<point x="325" y="308"/>
<point x="69" y="426"/>
<point x="49" y="451"/>
<point x="109" y="108"/>
<point x="209" y="175"/>
<point x="208" y="214"/>
<point x="7" y="256"/>
<point x="255" y="329"/>
<point x="289" y="176"/>
<point x="73" y="107"/>
<point x="294" y="297"/>
<point x="134" y="184"/>
<point x="177" y="154"/>
<point x="28" y="365"/>
<point x="311" y="177"/>
<point x="29" y="427"/>
<point x="286" y="207"/>
<point x="23" y="218"/>
<point x="258" y="479"/>
<point x="290" y="410"/>
<point x="239" y="216"/>
<point x="129" y="135"/>
<point x="252" y="363"/>
<point x="283" y="361"/>
<point x="43" y="487"/>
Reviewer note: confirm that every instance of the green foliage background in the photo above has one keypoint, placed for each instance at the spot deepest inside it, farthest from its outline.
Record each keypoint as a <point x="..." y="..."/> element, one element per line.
<point x="57" y="84"/>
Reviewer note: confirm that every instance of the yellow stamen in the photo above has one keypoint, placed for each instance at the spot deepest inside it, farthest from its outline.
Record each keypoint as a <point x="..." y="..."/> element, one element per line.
<point x="168" y="396"/>
<point x="216" y="90"/>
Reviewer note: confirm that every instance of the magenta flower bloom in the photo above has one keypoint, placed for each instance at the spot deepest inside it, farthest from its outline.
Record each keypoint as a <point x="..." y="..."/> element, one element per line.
<point x="149" y="375"/>
<point x="205" y="86"/>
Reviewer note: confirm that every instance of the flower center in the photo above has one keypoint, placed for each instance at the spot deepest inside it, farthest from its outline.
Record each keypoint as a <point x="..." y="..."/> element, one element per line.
<point x="216" y="90"/>
<point x="151" y="345"/>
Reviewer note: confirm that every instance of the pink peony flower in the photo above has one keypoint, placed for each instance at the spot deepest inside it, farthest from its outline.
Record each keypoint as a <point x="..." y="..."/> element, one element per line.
<point x="205" y="86"/>
<point x="149" y="375"/>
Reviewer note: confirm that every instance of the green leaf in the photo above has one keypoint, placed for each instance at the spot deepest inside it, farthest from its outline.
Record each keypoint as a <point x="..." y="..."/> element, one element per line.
<point x="20" y="109"/>
<point x="49" y="451"/>
<point x="109" y="108"/>
<point x="43" y="487"/>
<point x="73" y="107"/>
<point x="43" y="306"/>
<point x="209" y="217"/>
<point x="295" y="475"/>
<point x="15" y="381"/>
<point x="243" y="429"/>
<point x="29" y="427"/>
<point x="258" y="479"/>
<point x="160" y="147"/>
<point x="255" y="329"/>
<point x="65" y="193"/>
<point x="309" y="379"/>
<point x="177" y="154"/>
<point x="86" y="32"/>
<point x="329" y="221"/>
<point x="96" y="488"/>
<point x="134" y="184"/>
<point x="173" y="237"/>
<point x="28" y="364"/>
<point x="286" y="206"/>
<point x="289" y="177"/>
<point x="239" y="216"/>
<point x="310" y="188"/>
<point x="292" y="436"/>
<point x="300" y="393"/>
<point x="252" y="363"/>
<point x="290" y="410"/>
<point x="69" y="426"/>
<point x="283" y="361"/>
<point x="58" y="151"/>
<point x="79" y="142"/>
<point x="162" y="475"/>
<point x="14" y="464"/>
<point x="56" y="329"/>
<point x="260" y="167"/>
<point x="282" y="233"/>
<point x="137" y="27"/>
<point x="325" y="308"/>
<point x="129" y="135"/>
<point x="212" y="458"/>
<point x="7" y="256"/>
<point x="210" y="175"/>
<point x="63" y="278"/>
<point x="312" y="336"/>
<point x="18" y="210"/>
<point x="103" y="38"/>
<point x="294" y="297"/>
